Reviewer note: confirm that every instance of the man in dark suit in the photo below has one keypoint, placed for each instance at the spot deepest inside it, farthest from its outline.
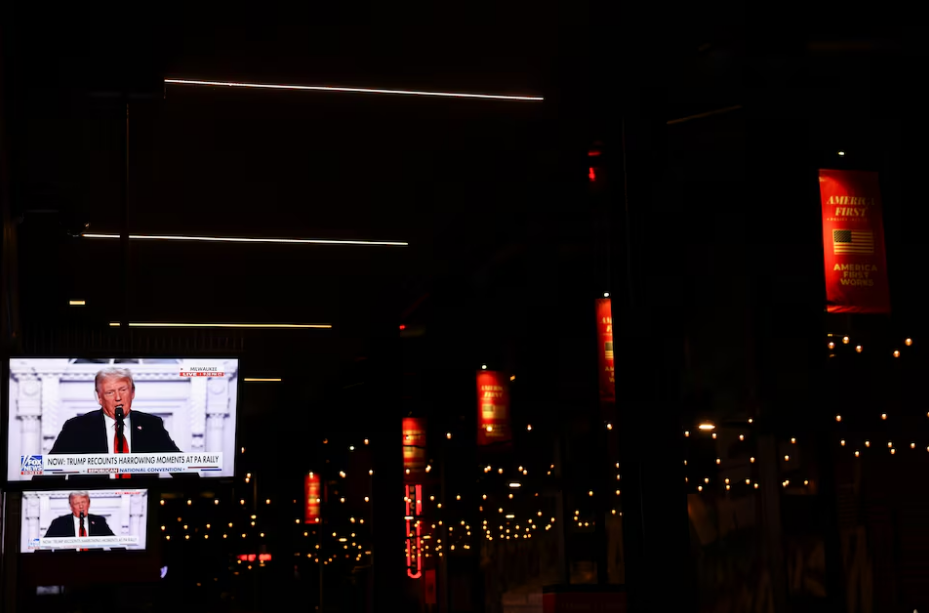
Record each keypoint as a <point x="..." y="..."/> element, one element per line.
<point x="79" y="522"/>
<point x="115" y="428"/>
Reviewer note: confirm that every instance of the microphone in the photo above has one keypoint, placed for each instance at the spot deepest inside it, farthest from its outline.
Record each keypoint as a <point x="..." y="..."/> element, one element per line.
<point x="118" y="414"/>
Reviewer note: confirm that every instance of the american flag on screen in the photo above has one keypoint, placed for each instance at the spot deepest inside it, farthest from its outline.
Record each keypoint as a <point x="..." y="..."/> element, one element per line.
<point x="852" y="241"/>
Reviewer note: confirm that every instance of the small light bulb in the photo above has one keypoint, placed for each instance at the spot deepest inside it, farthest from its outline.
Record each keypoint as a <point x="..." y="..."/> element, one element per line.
<point x="842" y="442"/>
<point x="741" y="437"/>
<point x="787" y="458"/>
<point x="867" y="443"/>
<point x="858" y="348"/>
<point x="912" y="445"/>
<point x="831" y="345"/>
<point x="845" y="340"/>
<point x="841" y="153"/>
<point x="896" y="353"/>
<point x="883" y="415"/>
<point x="752" y="460"/>
<point x="857" y="453"/>
<point x="908" y="342"/>
<point x="838" y="418"/>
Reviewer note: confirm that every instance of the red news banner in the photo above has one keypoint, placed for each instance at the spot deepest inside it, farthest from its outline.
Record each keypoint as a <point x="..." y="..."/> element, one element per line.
<point x="853" y="242"/>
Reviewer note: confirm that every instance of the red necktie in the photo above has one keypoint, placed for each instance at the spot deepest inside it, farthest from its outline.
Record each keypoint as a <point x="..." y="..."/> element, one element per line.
<point x="82" y="532"/>
<point x="120" y="448"/>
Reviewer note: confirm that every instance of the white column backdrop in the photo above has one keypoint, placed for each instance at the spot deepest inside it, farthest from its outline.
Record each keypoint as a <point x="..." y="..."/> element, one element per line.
<point x="198" y="412"/>
<point x="124" y="513"/>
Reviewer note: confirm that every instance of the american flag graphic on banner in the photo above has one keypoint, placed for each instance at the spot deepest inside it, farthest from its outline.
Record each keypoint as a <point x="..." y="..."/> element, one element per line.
<point x="853" y="242"/>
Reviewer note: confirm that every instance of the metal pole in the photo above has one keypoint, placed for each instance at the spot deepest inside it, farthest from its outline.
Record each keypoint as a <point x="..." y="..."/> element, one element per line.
<point x="444" y="592"/>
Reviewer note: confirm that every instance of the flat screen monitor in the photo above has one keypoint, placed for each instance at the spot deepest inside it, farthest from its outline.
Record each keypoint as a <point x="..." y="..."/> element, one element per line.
<point x="84" y="520"/>
<point x="121" y="417"/>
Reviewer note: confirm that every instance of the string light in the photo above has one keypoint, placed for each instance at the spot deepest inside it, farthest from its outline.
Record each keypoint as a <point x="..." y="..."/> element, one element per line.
<point x="884" y="416"/>
<point x="858" y="349"/>
<point x="842" y="442"/>
<point x="793" y="441"/>
<point x="896" y="353"/>
<point x="845" y="340"/>
<point x="908" y="342"/>
<point x="838" y="418"/>
<point x="831" y="345"/>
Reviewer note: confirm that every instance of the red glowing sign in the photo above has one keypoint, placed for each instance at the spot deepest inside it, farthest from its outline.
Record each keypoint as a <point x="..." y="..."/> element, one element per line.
<point x="311" y="492"/>
<point x="414" y="448"/>
<point x="605" y="350"/>
<point x="414" y="544"/>
<point x="251" y="557"/>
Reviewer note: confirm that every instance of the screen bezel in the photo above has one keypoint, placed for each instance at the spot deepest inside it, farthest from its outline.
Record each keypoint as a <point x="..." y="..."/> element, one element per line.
<point x="149" y="523"/>
<point x="91" y="482"/>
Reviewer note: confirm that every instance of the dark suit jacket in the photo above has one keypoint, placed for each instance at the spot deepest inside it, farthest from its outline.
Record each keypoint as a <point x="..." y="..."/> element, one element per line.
<point x="87" y="434"/>
<point x="64" y="526"/>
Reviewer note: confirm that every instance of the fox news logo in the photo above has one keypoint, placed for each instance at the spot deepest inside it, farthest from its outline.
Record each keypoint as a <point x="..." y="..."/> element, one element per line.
<point x="30" y="465"/>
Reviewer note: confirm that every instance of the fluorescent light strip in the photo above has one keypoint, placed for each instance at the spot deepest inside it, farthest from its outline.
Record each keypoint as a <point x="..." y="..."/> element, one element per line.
<point x="76" y="303"/>
<point x="357" y="90"/>
<point x="233" y="239"/>
<point x="137" y="324"/>
<point x="251" y="380"/>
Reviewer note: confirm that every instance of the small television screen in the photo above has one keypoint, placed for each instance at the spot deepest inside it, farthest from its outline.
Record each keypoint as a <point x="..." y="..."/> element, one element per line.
<point x="84" y="520"/>
<point x="121" y="417"/>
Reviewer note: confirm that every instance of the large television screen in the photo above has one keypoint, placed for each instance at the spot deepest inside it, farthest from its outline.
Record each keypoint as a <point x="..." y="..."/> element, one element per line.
<point x="109" y="520"/>
<point x="122" y="417"/>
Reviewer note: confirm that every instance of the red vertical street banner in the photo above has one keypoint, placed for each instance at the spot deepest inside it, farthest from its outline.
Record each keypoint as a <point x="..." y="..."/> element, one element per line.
<point x="493" y="408"/>
<point x="605" y="350"/>
<point x="414" y="448"/>
<point x="312" y="496"/>
<point x="853" y="242"/>
<point x="429" y="587"/>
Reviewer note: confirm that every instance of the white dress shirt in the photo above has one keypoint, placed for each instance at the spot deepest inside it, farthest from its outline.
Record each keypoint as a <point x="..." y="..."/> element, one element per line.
<point x="77" y="525"/>
<point x="111" y="431"/>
